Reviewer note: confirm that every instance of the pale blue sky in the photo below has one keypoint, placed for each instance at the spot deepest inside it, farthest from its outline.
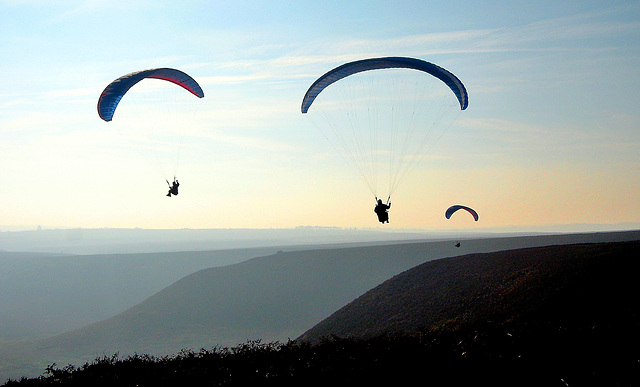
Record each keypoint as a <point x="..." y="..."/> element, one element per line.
<point x="550" y="135"/>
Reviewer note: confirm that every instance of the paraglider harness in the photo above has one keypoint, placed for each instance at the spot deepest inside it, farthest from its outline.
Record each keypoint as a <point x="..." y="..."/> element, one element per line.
<point x="381" y="210"/>
<point x="173" y="188"/>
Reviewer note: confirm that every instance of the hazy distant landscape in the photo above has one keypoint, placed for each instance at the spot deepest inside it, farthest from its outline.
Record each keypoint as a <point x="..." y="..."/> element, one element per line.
<point x="121" y="240"/>
<point x="47" y="293"/>
<point x="70" y="309"/>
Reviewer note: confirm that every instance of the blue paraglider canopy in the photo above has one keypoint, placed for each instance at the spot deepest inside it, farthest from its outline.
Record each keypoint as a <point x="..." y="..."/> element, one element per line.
<point x="384" y="115"/>
<point x="385" y="63"/>
<point x="114" y="92"/>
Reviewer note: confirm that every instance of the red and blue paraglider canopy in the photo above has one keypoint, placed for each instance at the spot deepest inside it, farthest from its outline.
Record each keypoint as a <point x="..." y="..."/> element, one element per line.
<point x="457" y="207"/>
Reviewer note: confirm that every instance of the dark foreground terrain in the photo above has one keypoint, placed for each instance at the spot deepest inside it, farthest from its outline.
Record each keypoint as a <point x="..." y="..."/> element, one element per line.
<point x="495" y="354"/>
<point x="545" y="316"/>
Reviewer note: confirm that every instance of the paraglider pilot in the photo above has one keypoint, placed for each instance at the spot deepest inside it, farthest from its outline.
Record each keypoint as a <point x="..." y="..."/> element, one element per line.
<point x="173" y="188"/>
<point x="381" y="210"/>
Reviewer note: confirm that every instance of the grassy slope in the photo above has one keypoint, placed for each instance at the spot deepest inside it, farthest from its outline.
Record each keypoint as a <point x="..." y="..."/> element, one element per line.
<point x="560" y="315"/>
<point x="570" y="282"/>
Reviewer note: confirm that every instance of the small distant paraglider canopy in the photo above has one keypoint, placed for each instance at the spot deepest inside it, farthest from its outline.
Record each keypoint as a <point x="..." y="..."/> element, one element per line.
<point x="114" y="92"/>
<point x="457" y="207"/>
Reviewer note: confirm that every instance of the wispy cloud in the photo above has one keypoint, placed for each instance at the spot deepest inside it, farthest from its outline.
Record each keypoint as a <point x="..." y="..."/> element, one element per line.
<point x="563" y="36"/>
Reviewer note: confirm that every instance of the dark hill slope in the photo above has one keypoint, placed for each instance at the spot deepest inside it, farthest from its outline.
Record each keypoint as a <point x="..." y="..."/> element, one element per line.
<point x="592" y="284"/>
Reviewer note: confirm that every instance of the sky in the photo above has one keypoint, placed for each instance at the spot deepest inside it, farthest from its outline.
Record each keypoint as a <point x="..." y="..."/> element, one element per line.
<point x="550" y="137"/>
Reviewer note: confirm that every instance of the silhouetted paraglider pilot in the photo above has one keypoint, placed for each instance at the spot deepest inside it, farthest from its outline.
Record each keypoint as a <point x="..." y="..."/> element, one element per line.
<point x="173" y="188"/>
<point x="381" y="210"/>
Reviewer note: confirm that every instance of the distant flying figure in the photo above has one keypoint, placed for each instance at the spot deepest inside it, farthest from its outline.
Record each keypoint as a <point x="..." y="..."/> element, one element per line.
<point x="457" y="244"/>
<point x="173" y="188"/>
<point x="381" y="210"/>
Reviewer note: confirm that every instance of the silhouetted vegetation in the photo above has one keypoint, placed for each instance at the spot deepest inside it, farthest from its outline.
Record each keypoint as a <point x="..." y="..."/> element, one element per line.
<point x="531" y="354"/>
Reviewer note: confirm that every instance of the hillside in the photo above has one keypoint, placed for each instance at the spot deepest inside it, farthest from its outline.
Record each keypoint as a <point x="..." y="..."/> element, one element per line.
<point x="274" y="297"/>
<point x="45" y="295"/>
<point x="553" y="315"/>
<point x="594" y="283"/>
<point x="49" y="294"/>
